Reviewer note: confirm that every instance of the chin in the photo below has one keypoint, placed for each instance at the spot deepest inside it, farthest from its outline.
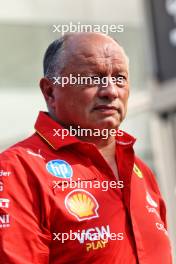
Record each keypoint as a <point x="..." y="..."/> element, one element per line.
<point x="107" y="124"/>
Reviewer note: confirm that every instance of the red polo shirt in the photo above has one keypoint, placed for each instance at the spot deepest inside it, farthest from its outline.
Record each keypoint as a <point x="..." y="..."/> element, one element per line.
<point x="61" y="203"/>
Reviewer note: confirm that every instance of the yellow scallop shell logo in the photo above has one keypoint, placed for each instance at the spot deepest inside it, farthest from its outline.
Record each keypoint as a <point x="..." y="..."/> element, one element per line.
<point x="82" y="204"/>
<point x="137" y="171"/>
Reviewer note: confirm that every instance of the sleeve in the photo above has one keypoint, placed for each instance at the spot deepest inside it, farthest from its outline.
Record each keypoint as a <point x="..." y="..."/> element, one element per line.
<point x="23" y="238"/>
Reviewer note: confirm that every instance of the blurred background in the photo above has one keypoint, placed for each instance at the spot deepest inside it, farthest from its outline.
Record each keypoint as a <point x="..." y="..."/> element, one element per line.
<point x="149" y="38"/>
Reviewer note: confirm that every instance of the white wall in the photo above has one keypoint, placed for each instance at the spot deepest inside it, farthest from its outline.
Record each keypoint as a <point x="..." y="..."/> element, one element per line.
<point x="98" y="10"/>
<point x="18" y="112"/>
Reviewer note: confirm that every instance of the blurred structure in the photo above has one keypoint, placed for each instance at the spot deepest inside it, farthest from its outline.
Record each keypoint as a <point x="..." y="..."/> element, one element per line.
<point x="26" y="29"/>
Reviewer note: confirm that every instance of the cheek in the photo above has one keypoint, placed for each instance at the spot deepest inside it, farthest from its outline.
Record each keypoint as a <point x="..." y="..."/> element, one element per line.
<point x="124" y="94"/>
<point x="83" y="99"/>
<point x="75" y="103"/>
<point x="63" y="102"/>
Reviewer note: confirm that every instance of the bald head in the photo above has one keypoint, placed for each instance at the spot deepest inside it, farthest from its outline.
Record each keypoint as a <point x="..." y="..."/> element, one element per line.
<point x="65" y="48"/>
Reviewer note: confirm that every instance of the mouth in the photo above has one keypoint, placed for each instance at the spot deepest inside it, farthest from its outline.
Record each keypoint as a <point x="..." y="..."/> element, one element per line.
<point x="107" y="109"/>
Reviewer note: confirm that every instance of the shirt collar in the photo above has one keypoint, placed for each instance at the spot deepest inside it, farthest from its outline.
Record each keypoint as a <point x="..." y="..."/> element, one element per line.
<point x="51" y="132"/>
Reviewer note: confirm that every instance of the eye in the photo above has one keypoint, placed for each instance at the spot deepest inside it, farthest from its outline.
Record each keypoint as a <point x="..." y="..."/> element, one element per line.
<point x="120" y="76"/>
<point x="121" y="79"/>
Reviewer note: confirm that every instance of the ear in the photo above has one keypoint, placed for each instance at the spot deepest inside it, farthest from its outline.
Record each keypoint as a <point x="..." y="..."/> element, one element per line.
<point x="47" y="89"/>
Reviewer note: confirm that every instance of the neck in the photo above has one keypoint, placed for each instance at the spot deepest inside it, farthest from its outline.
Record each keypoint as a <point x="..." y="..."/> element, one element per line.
<point x="107" y="148"/>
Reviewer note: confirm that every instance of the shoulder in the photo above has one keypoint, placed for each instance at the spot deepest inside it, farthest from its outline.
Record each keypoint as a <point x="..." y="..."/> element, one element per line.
<point x="21" y="150"/>
<point x="147" y="174"/>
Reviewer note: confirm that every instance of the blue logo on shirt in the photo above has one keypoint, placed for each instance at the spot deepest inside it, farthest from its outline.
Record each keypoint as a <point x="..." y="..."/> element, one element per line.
<point x="59" y="168"/>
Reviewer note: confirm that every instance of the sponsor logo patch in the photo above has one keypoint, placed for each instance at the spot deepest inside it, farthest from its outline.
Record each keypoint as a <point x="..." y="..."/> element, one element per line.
<point x="38" y="154"/>
<point x="4" y="203"/>
<point x="150" y="200"/>
<point x="4" y="173"/>
<point x="4" y="220"/>
<point x="1" y="186"/>
<point x="59" y="168"/>
<point x="82" y="204"/>
<point x="137" y="171"/>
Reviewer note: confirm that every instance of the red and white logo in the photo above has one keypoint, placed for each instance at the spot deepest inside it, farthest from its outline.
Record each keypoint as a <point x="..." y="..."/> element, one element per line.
<point x="4" y="203"/>
<point x="4" y="220"/>
<point x="4" y="173"/>
<point x="1" y="186"/>
<point x="150" y="200"/>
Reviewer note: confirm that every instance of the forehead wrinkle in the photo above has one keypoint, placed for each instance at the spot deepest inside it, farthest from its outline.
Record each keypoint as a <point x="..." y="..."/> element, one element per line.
<point x="91" y="43"/>
<point x="95" y="60"/>
<point x="96" y="65"/>
<point x="104" y="64"/>
<point x="98" y="53"/>
<point x="96" y="48"/>
<point x="99" y="57"/>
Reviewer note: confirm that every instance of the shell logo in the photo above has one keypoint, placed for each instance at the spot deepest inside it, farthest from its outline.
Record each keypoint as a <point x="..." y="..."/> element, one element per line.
<point x="137" y="171"/>
<point x="82" y="205"/>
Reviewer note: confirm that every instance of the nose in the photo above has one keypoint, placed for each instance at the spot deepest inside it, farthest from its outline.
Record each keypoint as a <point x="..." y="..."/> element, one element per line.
<point x="108" y="89"/>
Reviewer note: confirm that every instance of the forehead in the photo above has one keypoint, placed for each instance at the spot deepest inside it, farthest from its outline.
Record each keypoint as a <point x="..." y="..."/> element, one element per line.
<point x="94" y="52"/>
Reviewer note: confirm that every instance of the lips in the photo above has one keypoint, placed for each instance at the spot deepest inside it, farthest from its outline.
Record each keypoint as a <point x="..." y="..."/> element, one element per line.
<point x="106" y="108"/>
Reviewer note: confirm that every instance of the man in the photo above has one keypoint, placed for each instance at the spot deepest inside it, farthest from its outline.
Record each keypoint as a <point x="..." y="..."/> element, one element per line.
<point x="54" y="206"/>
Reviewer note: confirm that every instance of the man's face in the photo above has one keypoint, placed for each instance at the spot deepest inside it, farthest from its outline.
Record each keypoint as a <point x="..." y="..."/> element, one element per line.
<point x="97" y="105"/>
